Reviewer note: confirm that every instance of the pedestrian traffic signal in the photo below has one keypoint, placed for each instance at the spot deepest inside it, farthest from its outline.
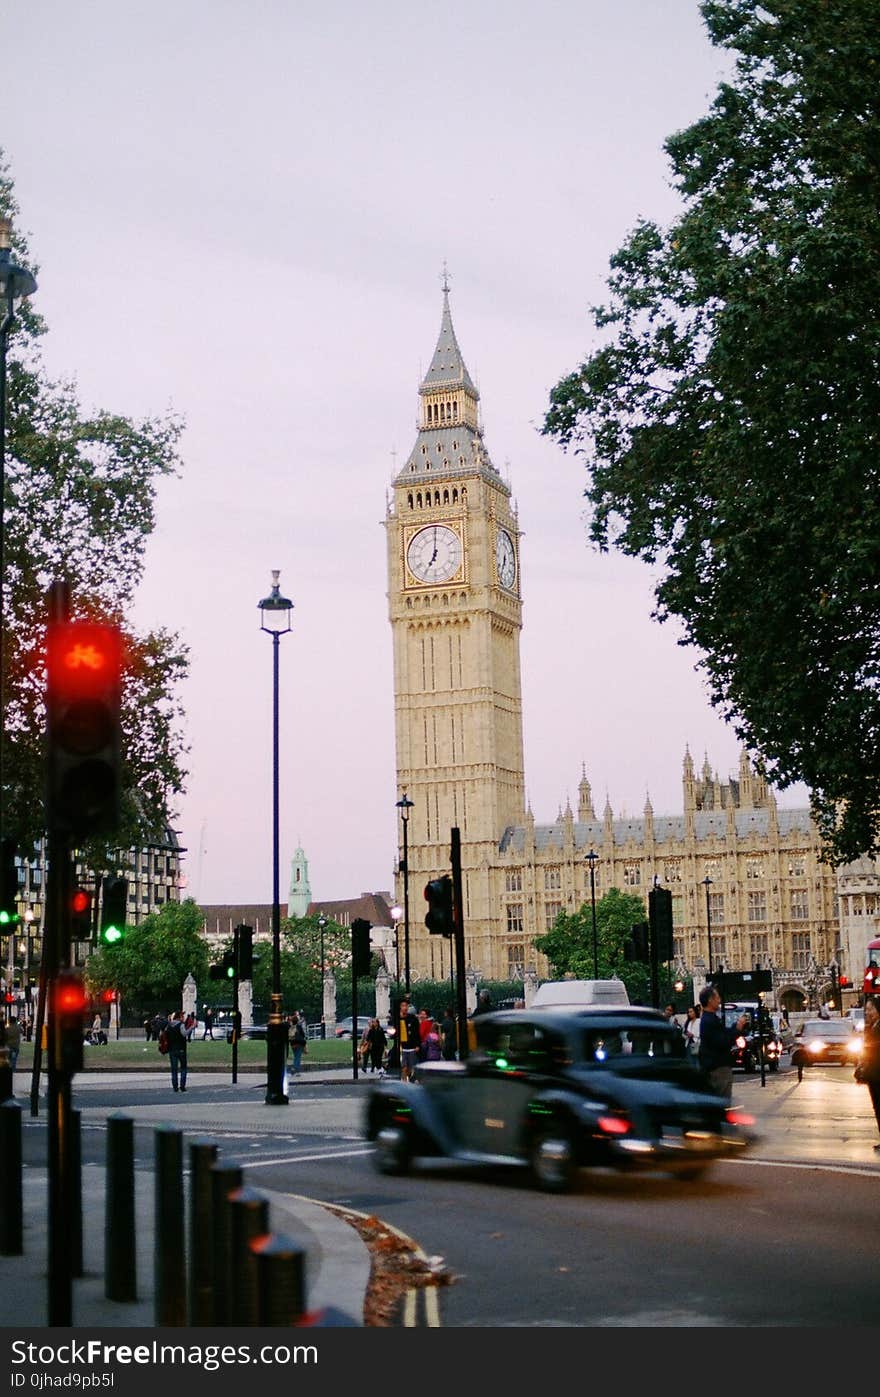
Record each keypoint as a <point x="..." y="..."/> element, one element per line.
<point x="9" y="997"/>
<point x="68" y="1005"/>
<point x="660" y="918"/>
<point x="81" y="915"/>
<point x="244" y="943"/>
<point x="438" y="894"/>
<point x="360" y="947"/>
<point x="8" y="883"/>
<point x="83" y="696"/>
<point x="114" y="903"/>
<point x="108" y="996"/>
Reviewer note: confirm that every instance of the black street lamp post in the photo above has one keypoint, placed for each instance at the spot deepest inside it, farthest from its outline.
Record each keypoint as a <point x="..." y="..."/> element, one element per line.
<point x="707" y="883"/>
<point x="15" y="282"/>
<point x="405" y="805"/>
<point x="592" y="860"/>
<point x="275" y="620"/>
<point x="322" y="922"/>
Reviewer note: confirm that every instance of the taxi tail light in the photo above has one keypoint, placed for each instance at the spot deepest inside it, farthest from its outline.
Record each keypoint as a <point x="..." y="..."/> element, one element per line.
<point x="614" y="1125"/>
<point x="736" y="1117"/>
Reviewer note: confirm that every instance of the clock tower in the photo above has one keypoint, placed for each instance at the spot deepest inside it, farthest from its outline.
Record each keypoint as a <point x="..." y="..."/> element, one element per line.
<point x="456" y="614"/>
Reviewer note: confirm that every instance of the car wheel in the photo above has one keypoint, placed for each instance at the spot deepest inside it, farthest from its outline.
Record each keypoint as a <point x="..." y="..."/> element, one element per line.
<point x="551" y="1159"/>
<point x="393" y="1154"/>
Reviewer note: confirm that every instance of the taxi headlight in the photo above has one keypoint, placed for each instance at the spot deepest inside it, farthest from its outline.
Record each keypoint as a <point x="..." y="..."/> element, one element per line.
<point x="854" y="1049"/>
<point x="816" y="1046"/>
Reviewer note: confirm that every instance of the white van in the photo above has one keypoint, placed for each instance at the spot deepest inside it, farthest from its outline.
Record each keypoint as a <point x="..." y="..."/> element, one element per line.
<point x="580" y="994"/>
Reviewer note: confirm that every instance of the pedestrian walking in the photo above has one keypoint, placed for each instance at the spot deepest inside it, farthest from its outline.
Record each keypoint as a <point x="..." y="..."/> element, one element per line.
<point x="692" y="1031"/>
<point x="208" y="1015"/>
<point x="431" y="1042"/>
<point x="484" y="1004"/>
<point x="13" y="1041"/>
<point x="377" y="1038"/>
<point x="298" y="1040"/>
<point x="716" y="1042"/>
<point x="409" y="1039"/>
<point x="448" y="1035"/>
<point x="868" y="1066"/>
<point x="177" y="1044"/>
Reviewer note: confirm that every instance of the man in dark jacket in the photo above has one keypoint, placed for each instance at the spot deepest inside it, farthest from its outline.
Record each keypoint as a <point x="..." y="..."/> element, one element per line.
<point x="716" y="1042"/>
<point x="868" y="1069"/>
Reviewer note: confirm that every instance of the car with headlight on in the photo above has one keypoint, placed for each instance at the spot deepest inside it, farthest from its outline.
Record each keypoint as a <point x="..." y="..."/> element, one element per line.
<point x="829" y="1040"/>
<point x="550" y="1093"/>
<point x="754" y="1041"/>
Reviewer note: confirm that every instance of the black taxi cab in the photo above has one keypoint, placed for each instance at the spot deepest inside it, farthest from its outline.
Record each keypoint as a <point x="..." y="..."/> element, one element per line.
<point x="551" y="1093"/>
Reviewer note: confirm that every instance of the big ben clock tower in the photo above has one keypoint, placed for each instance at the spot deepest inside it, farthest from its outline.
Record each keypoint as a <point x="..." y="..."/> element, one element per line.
<point x="456" y="613"/>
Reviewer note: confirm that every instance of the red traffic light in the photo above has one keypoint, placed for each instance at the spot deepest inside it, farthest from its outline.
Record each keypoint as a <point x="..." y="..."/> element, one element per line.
<point x="9" y="997"/>
<point x="844" y="981"/>
<point x="70" y="995"/>
<point x="80" y="901"/>
<point x="83" y="658"/>
<point x="108" y="996"/>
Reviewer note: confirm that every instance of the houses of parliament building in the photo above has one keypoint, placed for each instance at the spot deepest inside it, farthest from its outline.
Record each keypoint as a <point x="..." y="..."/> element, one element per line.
<point x="731" y="858"/>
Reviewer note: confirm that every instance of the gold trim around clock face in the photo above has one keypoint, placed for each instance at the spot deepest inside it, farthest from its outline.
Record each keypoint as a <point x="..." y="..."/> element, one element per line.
<point x="435" y="553"/>
<point x="505" y="560"/>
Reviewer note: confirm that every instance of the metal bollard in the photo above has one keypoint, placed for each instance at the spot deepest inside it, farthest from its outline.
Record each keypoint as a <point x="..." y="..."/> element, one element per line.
<point x="120" y="1255"/>
<point x="170" y="1265"/>
<point x="249" y="1211"/>
<point x="202" y="1155"/>
<point x="7" y="1090"/>
<point x="11" y="1210"/>
<point x="281" y="1279"/>
<point x="225" y="1178"/>
<point x="76" y="1210"/>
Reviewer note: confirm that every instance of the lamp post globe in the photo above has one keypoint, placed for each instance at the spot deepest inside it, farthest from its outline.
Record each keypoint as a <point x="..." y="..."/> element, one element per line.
<point x="396" y="916"/>
<point x="275" y="621"/>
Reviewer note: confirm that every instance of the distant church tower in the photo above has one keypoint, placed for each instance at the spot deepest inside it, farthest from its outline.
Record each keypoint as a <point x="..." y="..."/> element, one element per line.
<point x="456" y="613"/>
<point x="300" y="894"/>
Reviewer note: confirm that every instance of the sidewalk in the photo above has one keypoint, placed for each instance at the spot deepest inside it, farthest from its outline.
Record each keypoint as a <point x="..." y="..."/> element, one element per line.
<point x="337" y="1261"/>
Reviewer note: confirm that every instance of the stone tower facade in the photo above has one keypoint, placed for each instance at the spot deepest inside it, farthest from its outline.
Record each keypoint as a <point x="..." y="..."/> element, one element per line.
<point x="456" y="614"/>
<point x="730" y="858"/>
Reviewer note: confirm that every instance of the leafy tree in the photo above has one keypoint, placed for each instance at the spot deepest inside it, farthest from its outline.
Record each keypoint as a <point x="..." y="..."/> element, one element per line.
<point x="728" y="418"/>
<point x="568" y="945"/>
<point x="80" y="494"/>
<point x="154" y="958"/>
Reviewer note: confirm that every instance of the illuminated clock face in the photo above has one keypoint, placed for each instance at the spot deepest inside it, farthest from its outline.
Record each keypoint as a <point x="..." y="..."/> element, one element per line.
<point x="505" y="560"/>
<point x="434" y="553"/>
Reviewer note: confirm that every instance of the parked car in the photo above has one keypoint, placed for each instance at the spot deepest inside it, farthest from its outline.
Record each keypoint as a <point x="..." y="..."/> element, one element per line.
<point x="829" y="1040"/>
<point x="551" y="1092"/>
<point x="343" y="1026"/>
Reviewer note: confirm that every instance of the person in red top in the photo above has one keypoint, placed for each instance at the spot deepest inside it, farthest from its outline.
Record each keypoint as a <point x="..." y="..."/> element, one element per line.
<point x="426" y="1023"/>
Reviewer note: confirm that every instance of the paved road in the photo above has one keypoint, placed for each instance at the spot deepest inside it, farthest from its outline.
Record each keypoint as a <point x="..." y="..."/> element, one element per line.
<point x="787" y="1228"/>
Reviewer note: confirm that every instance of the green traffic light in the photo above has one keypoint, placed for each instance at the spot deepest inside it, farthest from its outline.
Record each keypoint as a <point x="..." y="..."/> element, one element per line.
<point x="230" y="973"/>
<point x="112" y="934"/>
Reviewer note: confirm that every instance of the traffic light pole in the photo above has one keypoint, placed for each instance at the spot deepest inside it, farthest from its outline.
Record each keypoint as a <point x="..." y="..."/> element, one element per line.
<point x="458" y="939"/>
<point x="236" y="1012"/>
<point x="60" y="1172"/>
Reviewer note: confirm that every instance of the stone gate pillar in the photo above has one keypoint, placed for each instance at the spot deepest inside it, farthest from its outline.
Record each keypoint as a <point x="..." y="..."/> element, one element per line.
<point x="329" y="1015"/>
<point x="188" y="1003"/>
<point x="383" y="995"/>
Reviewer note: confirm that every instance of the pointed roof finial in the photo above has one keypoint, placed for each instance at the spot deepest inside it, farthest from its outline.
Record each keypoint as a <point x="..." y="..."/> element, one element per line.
<point x="444" y="278"/>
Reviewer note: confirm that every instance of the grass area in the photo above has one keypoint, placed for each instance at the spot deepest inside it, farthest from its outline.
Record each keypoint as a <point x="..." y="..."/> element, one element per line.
<point x="213" y="1054"/>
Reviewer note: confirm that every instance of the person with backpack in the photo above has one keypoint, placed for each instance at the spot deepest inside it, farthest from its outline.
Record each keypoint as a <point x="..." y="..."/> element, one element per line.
<point x="177" y="1039"/>
<point x="297" y="1039"/>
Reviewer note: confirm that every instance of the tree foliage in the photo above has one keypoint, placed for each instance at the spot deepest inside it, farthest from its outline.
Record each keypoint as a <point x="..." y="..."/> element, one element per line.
<point x="154" y="958"/>
<point x="729" y="416"/>
<point x="79" y="506"/>
<point x="568" y="945"/>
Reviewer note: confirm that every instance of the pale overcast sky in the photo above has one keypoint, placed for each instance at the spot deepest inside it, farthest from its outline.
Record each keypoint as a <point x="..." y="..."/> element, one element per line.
<point x="241" y="209"/>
